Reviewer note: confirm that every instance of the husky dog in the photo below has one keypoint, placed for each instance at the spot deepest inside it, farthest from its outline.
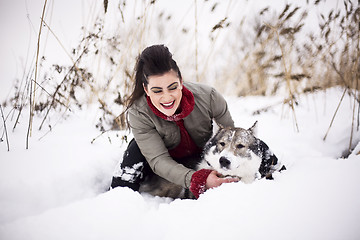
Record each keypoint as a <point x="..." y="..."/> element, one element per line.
<point x="236" y="152"/>
<point x="232" y="152"/>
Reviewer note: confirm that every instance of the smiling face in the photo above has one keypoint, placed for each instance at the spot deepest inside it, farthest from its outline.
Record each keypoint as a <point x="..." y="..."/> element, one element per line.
<point x="165" y="92"/>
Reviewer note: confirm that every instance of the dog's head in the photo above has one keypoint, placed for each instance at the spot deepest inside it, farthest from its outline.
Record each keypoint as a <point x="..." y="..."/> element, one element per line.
<point x="237" y="152"/>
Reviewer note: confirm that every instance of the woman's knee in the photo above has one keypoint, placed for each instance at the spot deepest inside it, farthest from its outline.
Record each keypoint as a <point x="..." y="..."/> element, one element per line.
<point x="132" y="169"/>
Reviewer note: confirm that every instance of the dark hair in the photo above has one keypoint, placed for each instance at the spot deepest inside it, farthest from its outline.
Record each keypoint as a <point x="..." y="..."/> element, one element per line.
<point x="154" y="60"/>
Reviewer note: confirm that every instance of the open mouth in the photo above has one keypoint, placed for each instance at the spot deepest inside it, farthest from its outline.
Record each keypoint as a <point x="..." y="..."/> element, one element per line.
<point x="168" y="105"/>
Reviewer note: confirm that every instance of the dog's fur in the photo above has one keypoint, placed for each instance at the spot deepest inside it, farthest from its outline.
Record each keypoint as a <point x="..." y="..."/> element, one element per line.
<point x="232" y="152"/>
<point x="236" y="152"/>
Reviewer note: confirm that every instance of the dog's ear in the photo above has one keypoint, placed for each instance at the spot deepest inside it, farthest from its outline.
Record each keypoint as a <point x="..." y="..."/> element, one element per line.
<point x="216" y="127"/>
<point x="253" y="128"/>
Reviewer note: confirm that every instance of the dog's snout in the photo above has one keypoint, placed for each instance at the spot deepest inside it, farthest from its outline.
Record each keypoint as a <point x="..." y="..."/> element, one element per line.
<point x="224" y="162"/>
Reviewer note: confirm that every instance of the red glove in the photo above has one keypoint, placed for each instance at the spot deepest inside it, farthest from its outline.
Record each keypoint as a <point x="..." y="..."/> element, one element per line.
<point x="198" y="182"/>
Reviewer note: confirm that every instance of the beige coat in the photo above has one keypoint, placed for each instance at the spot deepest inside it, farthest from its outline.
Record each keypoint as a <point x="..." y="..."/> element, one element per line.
<point x="155" y="135"/>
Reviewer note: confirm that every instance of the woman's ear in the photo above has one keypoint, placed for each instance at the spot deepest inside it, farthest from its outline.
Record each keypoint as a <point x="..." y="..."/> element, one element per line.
<point x="181" y="84"/>
<point x="145" y="89"/>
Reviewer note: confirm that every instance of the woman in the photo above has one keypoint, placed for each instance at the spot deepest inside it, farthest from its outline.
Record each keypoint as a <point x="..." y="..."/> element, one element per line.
<point x="171" y="121"/>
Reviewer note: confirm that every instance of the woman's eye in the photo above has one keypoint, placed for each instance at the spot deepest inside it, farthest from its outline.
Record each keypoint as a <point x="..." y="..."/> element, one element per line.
<point x="173" y="88"/>
<point x="157" y="91"/>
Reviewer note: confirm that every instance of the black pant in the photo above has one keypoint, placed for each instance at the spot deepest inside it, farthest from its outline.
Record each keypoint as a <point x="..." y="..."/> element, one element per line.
<point x="132" y="170"/>
<point x="134" y="167"/>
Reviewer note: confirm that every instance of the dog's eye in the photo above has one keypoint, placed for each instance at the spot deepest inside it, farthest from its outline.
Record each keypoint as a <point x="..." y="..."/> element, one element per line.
<point x="239" y="146"/>
<point x="222" y="143"/>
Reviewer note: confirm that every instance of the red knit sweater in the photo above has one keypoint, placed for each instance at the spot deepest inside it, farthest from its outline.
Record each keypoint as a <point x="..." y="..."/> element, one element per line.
<point x="187" y="146"/>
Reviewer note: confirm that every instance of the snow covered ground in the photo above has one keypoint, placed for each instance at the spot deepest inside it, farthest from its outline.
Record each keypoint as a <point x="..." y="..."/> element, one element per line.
<point x="57" y="188"/>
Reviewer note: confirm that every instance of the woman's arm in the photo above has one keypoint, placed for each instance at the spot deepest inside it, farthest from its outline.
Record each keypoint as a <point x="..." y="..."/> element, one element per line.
<point x="153" y="148"/>
<point x="219" y="110"/>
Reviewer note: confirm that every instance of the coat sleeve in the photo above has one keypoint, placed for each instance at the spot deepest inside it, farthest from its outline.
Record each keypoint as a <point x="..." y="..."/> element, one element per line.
<point x="153" y="148"/>
<point x="219" y="110"/>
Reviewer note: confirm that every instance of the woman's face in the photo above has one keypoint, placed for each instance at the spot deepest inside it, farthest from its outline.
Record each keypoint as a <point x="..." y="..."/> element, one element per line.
<point x="165" y="92"/>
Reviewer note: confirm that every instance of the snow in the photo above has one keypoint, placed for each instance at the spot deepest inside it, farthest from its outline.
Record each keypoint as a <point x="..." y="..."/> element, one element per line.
<point x="58" y="188"/>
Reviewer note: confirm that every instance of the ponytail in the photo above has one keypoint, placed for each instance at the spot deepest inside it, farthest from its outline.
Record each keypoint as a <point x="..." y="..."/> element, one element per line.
<point x="154" y="60"/>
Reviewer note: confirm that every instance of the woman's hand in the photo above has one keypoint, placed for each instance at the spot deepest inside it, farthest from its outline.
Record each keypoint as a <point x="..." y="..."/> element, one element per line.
<point x="214" y="180"/>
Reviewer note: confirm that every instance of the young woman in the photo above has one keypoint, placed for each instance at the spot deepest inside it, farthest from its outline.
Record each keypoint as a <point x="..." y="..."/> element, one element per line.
<point x="171" y="121"/>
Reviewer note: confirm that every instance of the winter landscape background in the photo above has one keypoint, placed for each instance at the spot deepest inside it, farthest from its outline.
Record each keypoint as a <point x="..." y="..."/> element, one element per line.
<point x="57" y="188"/>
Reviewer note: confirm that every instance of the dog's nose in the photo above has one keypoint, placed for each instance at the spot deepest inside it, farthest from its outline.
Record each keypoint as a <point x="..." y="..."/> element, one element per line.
<point x="224" y="162"/>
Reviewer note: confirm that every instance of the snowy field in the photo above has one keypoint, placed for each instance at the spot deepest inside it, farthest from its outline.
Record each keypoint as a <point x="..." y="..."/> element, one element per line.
<point x="57" y="188"/>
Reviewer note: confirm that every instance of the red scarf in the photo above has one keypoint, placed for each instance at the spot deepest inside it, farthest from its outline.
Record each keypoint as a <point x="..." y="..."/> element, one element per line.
<point x="187" y="146"/>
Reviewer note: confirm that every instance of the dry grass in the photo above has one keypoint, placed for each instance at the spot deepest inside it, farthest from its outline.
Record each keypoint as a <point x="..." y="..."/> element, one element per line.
<point x="268" y="54"/>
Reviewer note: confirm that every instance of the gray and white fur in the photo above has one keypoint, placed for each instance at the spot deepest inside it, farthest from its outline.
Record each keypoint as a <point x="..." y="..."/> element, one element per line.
<point x="237" y="152"/>
<point x="232" y="152"/>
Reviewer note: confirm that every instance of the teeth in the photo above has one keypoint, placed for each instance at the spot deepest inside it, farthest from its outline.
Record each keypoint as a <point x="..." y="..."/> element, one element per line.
<point x="168" y="104"/>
